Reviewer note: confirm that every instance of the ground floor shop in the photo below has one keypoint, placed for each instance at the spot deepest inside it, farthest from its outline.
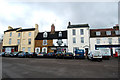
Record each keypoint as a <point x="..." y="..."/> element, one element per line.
<point x="51" y="49"/>
<point x="113" y="48"/>
<point x="10" y="49"/>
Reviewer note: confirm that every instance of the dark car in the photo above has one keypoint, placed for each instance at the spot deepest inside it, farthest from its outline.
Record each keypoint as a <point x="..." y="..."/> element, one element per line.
<point x="15" y="54"/>
<point x="7" y="54"/>
<point x="31" y="54"/>
<point x="59" y="54"/>
<point x="23" y="54"/>
<point x="68" y="55"/>
<point x="51" y="54"/>
<point x="11" y="54"/>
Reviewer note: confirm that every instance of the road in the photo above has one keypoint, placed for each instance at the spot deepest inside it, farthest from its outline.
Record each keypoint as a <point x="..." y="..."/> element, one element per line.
<point x="58" y="68"/>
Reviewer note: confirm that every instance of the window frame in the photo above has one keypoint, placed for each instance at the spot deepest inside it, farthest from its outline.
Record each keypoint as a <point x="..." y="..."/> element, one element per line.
<point x="29" y="41"/>
<point x="97" y="33"/>
<point x="19" y="34"/>
<point x="18" y="41"/>
<point x="107" y="33"/>
<point x="74" y="40"/>
<point x="10" y="34"/>
<point x="44" y="42"/>
<point x="10" y="40"/>
<point x="110" y="40"/>
<point x="97" y="41"/>
<point x="30" y="34"/>
<point x="82" y="39"/>
<point x="81" y="31"/>
<point x="73" y="32"/>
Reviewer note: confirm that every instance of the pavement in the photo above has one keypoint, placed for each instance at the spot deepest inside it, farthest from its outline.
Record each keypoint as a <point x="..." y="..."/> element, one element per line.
<point x="58" y="68"/>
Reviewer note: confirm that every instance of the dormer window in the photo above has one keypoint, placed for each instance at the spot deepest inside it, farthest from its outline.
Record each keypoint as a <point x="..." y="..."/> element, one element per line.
<point x="98" y="33"/>
<point x="45" y="34"/>
<point x="60" y="34"/>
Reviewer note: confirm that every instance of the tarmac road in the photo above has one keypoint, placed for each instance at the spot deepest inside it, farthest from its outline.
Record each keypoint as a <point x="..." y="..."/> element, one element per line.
<point x="58" y="68"/>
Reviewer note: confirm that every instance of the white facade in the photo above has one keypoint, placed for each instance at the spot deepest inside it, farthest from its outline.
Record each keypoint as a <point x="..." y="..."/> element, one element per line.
<point x="78" y="36"/>
<point x="104" y="41"/>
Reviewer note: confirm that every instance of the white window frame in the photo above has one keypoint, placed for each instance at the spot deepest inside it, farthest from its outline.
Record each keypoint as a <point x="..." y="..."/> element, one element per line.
<point x="29" y="41"/>
<point x="81" y="31"/>
<point x="30" y="34"/>
<point x="60" y="34"/>
<point x="74" y="40"/>
<point x="18" y="34"/>
<point x="10" y="34"/>
<point x="73" y="32"/>
<point x="98" y="33"/>
<point x="110" y="40"/>
<point x="18" y="41"/>
<point x="44" y="42"/>
<point x="10" y="40"/>
<point x="45" y="34"/>
<point x="44" y="48"/>
<point x="82" y="39"/>
<point x="118" y="40"/>
<point x="108" y="32"/>
<point x="97" y="41"/>
<point x="117" y="32"/>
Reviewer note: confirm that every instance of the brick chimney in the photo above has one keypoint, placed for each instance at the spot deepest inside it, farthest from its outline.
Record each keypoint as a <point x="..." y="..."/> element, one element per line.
<point x="52" y="29"/>
<point x="116" y="27"/>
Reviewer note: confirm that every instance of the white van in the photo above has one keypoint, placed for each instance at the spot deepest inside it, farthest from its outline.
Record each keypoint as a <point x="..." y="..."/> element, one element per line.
<point x="95" y="55"/>
<point x="105" y="53"/>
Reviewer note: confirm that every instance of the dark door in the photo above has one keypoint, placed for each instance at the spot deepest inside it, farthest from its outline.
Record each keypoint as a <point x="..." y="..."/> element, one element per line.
<point x="86" y="51"/>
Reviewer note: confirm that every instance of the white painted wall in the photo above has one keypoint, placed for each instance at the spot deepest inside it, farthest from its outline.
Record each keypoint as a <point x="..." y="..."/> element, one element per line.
<point x="103" y="41"/>
<point x="78" y="43"/>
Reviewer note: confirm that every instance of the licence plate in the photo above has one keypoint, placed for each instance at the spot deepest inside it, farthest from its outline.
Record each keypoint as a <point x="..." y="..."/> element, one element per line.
<point x="67" y="55"/>
<point x="58" y="54"/>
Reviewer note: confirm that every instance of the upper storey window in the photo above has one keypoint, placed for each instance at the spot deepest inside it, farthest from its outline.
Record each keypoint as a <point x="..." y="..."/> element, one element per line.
<point x="108" y="32"/>
<point x="98" y="33"/>
<point x="45" y="34"/>
<point x="10" y="34"/>
<point x="60" y="34"/>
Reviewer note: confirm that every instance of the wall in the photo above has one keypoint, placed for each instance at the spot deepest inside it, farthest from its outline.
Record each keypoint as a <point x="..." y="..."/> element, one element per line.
<point x="78" y="36"/>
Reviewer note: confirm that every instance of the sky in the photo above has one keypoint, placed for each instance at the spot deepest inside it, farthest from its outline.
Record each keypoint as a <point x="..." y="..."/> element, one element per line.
<point x="27" y="14"/>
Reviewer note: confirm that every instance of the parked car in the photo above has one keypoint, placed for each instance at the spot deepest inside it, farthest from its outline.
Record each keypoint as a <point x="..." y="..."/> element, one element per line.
<point x="15" y="54"/>
<point x="23" y="54"/>
<point x="41" y="54"/>
<point x="11" y="54"/>
<point x="68" y="55"/>
<point x="7" y="54"/>
<point x="59" y="54"/>
<point x="79" y="53"/>
<point x="2" y="54"/>
<point x="95" y="55"/>
<point x="51" y="54"/>
<point x="32" y="54"/>
<point x="106" y="54"/>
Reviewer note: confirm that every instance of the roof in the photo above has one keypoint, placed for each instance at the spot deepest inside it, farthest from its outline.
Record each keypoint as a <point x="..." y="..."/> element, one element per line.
<point x="30" y="29"/>
<point x="107" y="29"/>
<point x="12" y="29"/>
<point x="52" y="36"/>
<point x="78" y="26"/>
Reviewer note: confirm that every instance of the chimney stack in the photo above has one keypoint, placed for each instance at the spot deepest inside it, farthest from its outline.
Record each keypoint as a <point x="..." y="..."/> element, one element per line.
<point x="69" y="23"/>
<point x="9" y="27"/>
<point x="116" y="27"/>
<point x="52" y="29"/>
<point x="36" y="26"/>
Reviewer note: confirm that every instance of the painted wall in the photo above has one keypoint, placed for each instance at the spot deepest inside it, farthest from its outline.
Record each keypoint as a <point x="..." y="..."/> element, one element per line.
<point x="78" y="39"/>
